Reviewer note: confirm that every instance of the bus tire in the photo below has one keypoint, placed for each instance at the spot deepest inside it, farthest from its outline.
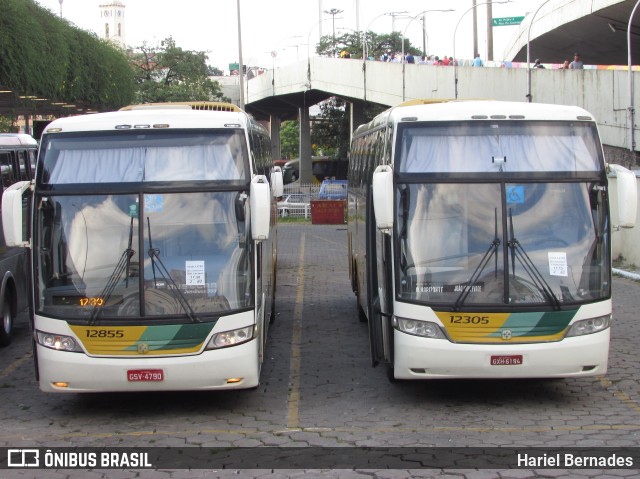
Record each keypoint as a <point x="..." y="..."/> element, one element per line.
<point x="6" y="327"/>
<point x="390" y="376"/>
<point x="362" y="317"/>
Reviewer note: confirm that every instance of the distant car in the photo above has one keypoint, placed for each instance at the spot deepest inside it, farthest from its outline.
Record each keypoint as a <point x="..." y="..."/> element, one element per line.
<point x="291" y="171"/>
<point x="295" y="204"/>
<point x="280" y="163"/>
<point x="333" y="190"/>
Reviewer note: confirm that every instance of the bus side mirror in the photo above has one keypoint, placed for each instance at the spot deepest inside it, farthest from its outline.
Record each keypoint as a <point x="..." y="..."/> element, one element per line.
<point x="260" y="204"/>
<point x="627" y="187"/>
<point x="277" y="182"/>
<point x="383" y="196"/>
<point x="12" y="214"/>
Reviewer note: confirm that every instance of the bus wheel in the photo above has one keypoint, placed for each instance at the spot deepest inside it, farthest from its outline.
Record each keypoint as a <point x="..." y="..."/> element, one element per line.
<point x="362" y="317"/>
<point x="390" y="374"/>
<point x="7" y="323"/>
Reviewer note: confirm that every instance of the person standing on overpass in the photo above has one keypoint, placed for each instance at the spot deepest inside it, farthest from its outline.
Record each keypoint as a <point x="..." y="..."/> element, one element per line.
<point x="576" y="64"/>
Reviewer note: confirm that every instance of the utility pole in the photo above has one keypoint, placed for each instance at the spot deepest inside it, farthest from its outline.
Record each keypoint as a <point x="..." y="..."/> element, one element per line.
<point x="489" y="31"/>
<point x="333" y="12"/>
<point x="475" y="28"/>
<point x="393" y="19"/>
<point x="319" y="20"/>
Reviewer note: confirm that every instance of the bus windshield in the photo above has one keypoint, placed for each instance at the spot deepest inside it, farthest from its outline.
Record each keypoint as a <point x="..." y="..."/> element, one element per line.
<point x="507" y="146"/>
<point x="135" y="256"/>
<point x="502" y="243"/>
<point x="158" y="155"/>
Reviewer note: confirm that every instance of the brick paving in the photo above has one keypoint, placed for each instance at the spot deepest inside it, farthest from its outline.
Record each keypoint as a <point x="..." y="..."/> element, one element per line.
<point x="318" y="390"/>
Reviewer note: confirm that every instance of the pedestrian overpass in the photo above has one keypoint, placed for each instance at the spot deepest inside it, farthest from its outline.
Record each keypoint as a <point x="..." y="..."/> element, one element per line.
<point x="288" y="93"/>
<point x="596" y="28"/>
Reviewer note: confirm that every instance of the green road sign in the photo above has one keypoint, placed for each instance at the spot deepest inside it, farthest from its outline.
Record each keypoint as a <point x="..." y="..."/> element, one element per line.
<point x="504" y="21"/>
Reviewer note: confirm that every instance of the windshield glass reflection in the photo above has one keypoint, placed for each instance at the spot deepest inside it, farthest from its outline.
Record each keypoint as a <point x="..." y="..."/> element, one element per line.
<point x="457" y="244"/>
<point x="94" y="255"/>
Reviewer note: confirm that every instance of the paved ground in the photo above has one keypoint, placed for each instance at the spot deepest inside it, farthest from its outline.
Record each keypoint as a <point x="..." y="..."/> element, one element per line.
<point x="318" y="389"/>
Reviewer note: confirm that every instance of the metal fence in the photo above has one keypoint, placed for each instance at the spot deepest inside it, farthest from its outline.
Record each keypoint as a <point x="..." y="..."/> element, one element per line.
<point x="296" y="200"/>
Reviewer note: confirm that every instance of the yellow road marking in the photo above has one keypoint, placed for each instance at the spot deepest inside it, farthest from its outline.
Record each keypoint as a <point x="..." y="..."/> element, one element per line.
<point x="14" y="365"/>
<point x="621" y="395"/>
<point x="294" y="374"/>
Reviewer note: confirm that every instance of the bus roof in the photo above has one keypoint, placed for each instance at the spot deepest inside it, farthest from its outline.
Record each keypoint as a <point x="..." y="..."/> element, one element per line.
<point x="193" y="105"/>
<point x="17" y="139"/>
<point x="165" y="117"/>
<point x="462" y="110"/>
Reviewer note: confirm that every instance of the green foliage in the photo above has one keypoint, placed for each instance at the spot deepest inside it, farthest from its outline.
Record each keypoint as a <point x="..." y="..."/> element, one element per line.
<point x="6" y="125"/>
<point x="290" y="139"/>
<point x="166" y="72"/>
<point x="43" y="55"/>
<point x="330" y="135"/>
<point x="376" y="45"/>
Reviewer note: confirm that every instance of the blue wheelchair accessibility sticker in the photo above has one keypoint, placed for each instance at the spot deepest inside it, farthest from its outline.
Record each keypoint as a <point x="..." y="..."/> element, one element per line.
<point x="515" y="194"/>
<point x="153" y="203"/>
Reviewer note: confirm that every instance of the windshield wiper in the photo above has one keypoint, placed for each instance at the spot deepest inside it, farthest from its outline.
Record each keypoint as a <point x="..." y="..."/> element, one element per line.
<point x="517" y="251"/>
<point x="154" y="254"/>
<point x="491" y="251"/>
<point x="404" y="202"/>
<point x="123" y="264"/>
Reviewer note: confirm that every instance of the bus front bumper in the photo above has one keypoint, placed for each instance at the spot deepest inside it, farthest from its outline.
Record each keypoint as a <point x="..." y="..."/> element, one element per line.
<point x="233" y="367"/>
<point x="424" y="358"/>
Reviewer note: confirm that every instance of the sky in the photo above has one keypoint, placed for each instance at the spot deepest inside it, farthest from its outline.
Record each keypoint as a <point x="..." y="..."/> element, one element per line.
<point x="291" y="28"/>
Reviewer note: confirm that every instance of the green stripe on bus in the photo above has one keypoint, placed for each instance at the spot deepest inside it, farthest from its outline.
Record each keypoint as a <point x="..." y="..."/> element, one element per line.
<point x="178" y="336"/>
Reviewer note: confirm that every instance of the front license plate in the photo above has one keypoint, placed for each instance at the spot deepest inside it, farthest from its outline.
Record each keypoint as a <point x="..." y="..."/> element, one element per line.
<point x="513" y="360"/>
<point x="145" y="375"/>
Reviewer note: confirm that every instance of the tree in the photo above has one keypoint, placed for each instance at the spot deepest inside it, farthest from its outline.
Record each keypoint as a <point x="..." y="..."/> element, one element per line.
<point x="166" y="72"/>
<point x="6" y="124"/>
<point x="43" y="55"/>
<point x="330" y="132"/>
<point x="376" y="44"/>
<point x="290" y="139"/>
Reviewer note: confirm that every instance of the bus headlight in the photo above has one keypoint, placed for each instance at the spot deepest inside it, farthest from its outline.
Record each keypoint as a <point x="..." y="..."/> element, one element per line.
<point x="231" y="338"/>
<point x="58" y="342"/>
<point x="589" y="326"/>
<point x="425" y="329"/>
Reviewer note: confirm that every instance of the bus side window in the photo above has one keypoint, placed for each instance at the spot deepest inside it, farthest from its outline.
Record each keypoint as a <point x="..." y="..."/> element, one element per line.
<point x="6" y="170"/>
<point x="24" y="165"/>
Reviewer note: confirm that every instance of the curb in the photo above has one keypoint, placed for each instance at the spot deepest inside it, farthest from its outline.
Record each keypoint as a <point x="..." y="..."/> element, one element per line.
<point x="626" y="274"/>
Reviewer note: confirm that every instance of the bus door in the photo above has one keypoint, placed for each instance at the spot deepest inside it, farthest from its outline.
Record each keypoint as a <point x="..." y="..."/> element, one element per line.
<point x="375" y="283"/>
<point x="24" y="165"/>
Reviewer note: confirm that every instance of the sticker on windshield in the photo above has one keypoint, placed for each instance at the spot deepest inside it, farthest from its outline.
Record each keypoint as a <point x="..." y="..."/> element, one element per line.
<point x="153" y="203"/>
<point x="133" y="210"/>
<point x="194" y="273"/>
<point x="558" y="264"/>
<point x="515" y="194"/>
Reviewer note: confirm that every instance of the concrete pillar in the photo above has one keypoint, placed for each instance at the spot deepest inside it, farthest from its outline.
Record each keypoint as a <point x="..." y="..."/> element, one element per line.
<point x="274" y="125"/>
<point x="305" y="146"/>
<point x="356" y="115"/>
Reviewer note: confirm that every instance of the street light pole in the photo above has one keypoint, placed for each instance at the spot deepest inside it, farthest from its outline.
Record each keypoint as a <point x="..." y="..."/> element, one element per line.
<point x="529" y="97"/>
<point x="309" y="54"/>
<point x="403" y="37"/>
<point x="365" y="55"/>
<point x="333" y="12"/>
<point x="455" y="58"/>
<point x="240" y="72"/>
<point x="632" y="143"/>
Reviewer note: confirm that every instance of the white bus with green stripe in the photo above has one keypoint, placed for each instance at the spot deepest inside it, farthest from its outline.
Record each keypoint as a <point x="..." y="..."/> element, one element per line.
<point x="480" y="239"/>
<point x="153" y="248"/>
